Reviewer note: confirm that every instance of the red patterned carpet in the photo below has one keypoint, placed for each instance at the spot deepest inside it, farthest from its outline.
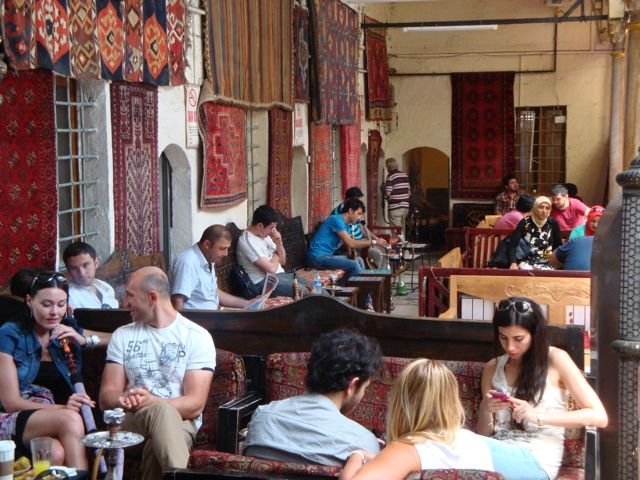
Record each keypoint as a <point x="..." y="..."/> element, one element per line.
<point x="134" y="117"/>
<point x="350" y="154"/>
<point x="373" y="157"/>
<point x="28" y="185"/>
<point x="320" y="174"/>
<point x="280" y="160"/>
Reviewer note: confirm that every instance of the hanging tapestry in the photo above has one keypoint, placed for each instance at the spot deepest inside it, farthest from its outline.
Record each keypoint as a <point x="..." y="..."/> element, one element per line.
<point x="379" y="104"/>
<point x="134" y="119"/>
<point x="249" y="52"/>
<point x="132" y="40"/>
<point x="280" y="160"/>
<point x="334" y="33"/>
<point x="320" y="175"/>
<point x="373" y="157"/>
<point x="223" y="132"/>
<point x="28" y="181"/>
<point x="301" y="57"/>
<point x="350" y="155"/>
<point x="482" y="133"/>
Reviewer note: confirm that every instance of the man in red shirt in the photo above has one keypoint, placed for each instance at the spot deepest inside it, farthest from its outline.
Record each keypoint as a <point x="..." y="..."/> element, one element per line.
<point x="568" y="212"/>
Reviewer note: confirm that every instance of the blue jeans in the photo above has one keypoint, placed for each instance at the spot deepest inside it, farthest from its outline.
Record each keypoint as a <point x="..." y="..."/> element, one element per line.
<point x="515" y="463"/>
<point x="285" y="285"/>
<point x="351" y="267"/>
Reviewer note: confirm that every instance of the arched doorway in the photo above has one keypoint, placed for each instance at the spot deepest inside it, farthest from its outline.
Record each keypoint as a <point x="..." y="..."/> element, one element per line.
<point x="428" y="170"/>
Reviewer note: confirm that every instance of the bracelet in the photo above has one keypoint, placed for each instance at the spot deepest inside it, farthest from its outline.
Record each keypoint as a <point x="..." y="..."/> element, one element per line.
<point x="364" y="459"/>
<point x="91" y="341"/>
<point x="373" y="243"/>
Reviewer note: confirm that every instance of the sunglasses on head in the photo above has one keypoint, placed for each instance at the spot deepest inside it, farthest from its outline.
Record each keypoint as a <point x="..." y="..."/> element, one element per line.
<point x="519" y="306"/>
<point x="49" y="278"/>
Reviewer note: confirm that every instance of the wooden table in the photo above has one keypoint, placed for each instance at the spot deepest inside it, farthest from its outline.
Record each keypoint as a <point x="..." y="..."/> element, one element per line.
<point x="373" y="285"/>
<point x="387" y="274"/>
<point x="349" y="294"/>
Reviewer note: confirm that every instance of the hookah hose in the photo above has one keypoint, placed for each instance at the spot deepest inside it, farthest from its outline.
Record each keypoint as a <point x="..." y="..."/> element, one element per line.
<point x="78" y="387"/>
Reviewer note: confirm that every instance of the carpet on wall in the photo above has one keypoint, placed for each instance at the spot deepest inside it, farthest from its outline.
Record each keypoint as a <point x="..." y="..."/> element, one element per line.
<point x="280" y="160"/>
<point x="126" y="40"/>
<point x="134" y="120"/>
<point x="350" y="155"/>
<point x="334" y="34"/>
<point x="482" y="133"/>
<point x="320" y="175"/>
<point x="28" y="179"/>
<point x="301" y="53"/>
<point x="249" y="52"/>
<point x="373" y="158"/>
<point x="379" y="102"/>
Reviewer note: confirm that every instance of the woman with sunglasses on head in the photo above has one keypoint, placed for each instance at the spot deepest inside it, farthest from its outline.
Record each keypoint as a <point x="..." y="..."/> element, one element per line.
<point x="425" y="420"/>
<point x="537" y="380"/>
<point x="540" y="232"/>
<point x="36" y="392"/>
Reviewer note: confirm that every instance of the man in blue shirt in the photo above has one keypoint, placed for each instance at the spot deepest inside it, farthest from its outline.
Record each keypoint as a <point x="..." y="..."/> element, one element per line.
<point x="332" y="234"/>
<point x="573" y="255"/>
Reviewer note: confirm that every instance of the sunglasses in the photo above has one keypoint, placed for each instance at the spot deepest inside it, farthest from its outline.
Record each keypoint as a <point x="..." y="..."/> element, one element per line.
<point x="519" y="306"/>
<point x="49" y="278"/>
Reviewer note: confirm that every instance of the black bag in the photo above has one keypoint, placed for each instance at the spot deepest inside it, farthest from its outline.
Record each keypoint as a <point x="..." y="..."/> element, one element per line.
<point x="500" y="258"/>
<point x="241" y="284"/>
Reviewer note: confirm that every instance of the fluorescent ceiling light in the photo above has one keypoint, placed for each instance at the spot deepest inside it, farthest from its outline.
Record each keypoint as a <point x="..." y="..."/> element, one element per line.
<point x="450" y="28"/>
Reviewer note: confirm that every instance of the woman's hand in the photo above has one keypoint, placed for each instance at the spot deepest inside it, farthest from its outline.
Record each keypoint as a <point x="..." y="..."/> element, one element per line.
<point x="64" y="331"/>
<point x="493" y="404"/>
<point x="514" y="266"/>
<point x="76" y="400"/>
<point x="522" y="410"/>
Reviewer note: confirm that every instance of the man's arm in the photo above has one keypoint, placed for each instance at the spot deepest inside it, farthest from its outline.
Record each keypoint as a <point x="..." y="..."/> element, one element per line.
<point x="351" y="242"/>
<point x="195" y="386"/>
<point x="229" y="300"/>
<point x="177" y="301"/>
<point x="114" y="381"/>
<point x="277" y="239"/>
<point x="268" y="266"/>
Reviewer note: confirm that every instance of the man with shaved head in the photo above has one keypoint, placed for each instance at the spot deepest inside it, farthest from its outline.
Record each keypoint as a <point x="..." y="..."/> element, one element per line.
<point x="159" y="369"/>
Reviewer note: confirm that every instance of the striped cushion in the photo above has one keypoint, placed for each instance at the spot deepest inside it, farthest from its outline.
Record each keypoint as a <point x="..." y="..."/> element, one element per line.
<point x="482" y="250"/>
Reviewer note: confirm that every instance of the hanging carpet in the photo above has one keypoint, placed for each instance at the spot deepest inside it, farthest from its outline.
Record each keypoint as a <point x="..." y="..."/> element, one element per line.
<point x="301" y="53"/>
<point x="280" y="160"/>
<point x="223" y="133"/>
<point x="320" y="175"/>
<point x="249" y="52"/>
<point x="350" y="154"/>
<point x="379" y="103"/>
<point x="132" y="40"/>
<point x="28" y="180"/>
<point x="134" y="119"/>
<point x="373" y="157"/>
<point x="334" y="33"/>
<point x="482" y="133"/>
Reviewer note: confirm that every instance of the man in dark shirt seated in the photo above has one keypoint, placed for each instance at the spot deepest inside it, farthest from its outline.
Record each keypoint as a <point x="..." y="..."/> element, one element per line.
<point x="312" y="427"/>
<point x="573" y="255"/>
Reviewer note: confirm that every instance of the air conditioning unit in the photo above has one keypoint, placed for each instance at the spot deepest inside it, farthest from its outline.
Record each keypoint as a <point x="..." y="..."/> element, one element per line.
<point x="554" y="3"/>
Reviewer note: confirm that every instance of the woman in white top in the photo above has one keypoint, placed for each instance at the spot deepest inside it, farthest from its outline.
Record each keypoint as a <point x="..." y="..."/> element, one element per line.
<point x="537" y="380"/>
<point x="424" y="426"/>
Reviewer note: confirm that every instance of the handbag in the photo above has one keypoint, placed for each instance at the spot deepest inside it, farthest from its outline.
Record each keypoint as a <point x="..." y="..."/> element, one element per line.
<point x="500" y="258"/>
<point x="241" y="284"/>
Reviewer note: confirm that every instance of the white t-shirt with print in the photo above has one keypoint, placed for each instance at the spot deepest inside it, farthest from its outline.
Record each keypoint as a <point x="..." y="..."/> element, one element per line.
<point x="250" y="249"/>
<point x="158" y="358"/>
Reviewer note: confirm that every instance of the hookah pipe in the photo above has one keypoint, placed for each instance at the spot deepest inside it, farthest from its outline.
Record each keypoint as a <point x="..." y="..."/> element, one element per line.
<point x="78" y="387"/>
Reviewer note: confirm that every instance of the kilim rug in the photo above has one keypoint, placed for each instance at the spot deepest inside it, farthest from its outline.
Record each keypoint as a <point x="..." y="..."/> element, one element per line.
<point x="301" y="55"/>
<point x="320" y="175"/>
<point x="28" y="186"/>
<point x="373" y="157"/>
<point x="379" y="102"/>
<point x="334" y="33"/>
<point x="482" y="133"/>
<point x="223" y="133"/>
<point x="350" y="154"/>
<point x="132" y="40"/>
<point x="134" y="119"/>
<point x="249" y="52"/>
<point x="280" y="160"/>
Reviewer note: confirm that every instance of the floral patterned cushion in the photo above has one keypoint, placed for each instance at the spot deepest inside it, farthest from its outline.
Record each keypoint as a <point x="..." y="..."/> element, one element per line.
<point x="310" y="275"/>
<point x="451" y="474"/>
<point x="277" y="302"/>
<point x="570" y="473"/>
<point x="214" y="461"/>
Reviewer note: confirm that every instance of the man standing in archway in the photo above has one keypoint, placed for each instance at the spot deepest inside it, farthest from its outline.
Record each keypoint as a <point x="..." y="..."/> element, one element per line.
<point x="397" y="191"/>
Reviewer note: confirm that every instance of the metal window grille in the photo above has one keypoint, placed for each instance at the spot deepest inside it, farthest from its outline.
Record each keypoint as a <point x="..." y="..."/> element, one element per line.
<point x="252" y="166"/>
<point x="194" y="42"/>
<point x="541" y="147"/>
<point x="73" y="153"/>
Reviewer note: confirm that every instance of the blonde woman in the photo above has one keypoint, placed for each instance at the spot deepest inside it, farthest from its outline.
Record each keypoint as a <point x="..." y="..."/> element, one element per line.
<point x="424" y="426"/>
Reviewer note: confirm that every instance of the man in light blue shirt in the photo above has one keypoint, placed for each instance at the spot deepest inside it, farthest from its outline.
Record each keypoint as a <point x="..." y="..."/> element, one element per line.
<point x="332" y="234"/>
<point x="193" y="274"/>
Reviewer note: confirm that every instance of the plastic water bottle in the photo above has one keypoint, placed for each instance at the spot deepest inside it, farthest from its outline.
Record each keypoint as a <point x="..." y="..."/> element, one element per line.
<point x="317" y="284"/>
<point x="368" y="303"/>
<point x="296" y="293"/>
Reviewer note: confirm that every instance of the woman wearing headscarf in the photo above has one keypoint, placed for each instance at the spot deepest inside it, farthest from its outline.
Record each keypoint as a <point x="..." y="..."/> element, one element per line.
<point x="540" y="232"/>
<point x="588" y="228"/>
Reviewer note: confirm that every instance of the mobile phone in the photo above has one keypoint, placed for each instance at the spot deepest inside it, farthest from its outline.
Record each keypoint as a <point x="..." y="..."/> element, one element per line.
<point x="500" y="395"/>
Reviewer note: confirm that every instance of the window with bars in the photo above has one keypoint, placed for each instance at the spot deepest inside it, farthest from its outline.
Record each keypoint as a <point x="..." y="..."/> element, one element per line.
<point x="74" y="153"/>
<point x="253" y="175"/>
<point x="541" y="147"/>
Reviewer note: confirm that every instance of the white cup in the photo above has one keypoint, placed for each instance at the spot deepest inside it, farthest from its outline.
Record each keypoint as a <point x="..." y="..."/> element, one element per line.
<point x="7" y="450"/>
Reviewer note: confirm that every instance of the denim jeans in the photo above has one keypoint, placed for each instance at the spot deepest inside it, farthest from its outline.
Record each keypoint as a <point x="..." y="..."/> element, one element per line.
<point x="285" y="285"/>
<point x="515" y="463"/>
<point x="351" y="267"/>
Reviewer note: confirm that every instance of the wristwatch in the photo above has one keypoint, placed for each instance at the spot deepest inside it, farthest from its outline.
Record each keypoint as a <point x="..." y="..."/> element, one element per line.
<point x="373" y="243"/>
<point x="540" y="418"/>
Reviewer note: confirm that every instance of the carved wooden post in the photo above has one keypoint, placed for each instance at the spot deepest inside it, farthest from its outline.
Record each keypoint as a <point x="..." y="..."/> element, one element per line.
<point x="627" y="346"/>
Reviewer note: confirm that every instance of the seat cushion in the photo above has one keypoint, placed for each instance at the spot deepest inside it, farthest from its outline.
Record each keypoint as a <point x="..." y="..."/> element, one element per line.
<point x="451" y="474"/>
<point x="309" y="276"/>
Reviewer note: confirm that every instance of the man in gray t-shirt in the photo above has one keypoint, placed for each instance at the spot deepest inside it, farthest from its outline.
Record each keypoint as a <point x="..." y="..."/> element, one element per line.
<point x="312" y="427"/>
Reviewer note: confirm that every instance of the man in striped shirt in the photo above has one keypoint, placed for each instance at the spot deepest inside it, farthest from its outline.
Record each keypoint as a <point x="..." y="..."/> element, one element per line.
<point x="397" y="192"/>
